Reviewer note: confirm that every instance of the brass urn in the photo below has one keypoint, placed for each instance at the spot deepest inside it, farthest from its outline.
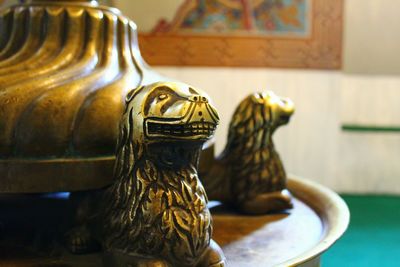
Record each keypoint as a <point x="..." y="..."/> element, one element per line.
<point x="65" y="68"/>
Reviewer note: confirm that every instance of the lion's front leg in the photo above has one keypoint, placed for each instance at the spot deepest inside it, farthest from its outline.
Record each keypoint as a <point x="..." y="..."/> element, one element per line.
<point x="266" y="202"/>
<point x="80" y="239"/>
<point x="213" y="256"/>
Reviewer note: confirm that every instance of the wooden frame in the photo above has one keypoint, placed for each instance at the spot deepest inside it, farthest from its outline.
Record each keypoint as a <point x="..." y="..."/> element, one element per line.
<point x="321" y="50"/>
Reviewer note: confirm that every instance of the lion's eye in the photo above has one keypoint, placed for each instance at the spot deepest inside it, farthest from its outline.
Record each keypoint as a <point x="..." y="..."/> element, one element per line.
<point x="162" y="96"/>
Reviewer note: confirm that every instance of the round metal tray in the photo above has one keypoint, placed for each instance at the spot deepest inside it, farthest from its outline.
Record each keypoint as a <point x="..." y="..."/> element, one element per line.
<point x="295" y="238"/>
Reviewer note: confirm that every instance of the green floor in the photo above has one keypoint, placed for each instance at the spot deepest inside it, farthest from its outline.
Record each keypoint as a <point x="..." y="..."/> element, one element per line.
<point x="373" y="237"/>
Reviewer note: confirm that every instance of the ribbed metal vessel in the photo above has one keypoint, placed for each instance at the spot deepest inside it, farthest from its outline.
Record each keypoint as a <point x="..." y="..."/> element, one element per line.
<point x="65" y="68"/>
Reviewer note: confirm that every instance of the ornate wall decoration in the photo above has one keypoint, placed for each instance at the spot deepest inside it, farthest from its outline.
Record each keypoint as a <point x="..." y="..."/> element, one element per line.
<point x="253" y="33"/>
<point x="245" y="17"/>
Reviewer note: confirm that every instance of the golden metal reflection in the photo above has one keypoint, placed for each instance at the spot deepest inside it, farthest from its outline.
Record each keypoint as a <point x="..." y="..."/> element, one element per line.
<point x="161" y="136"/>
<point x="249" y="173"/>
<point x="156" y="209"/>
<point x="65" y="68"/>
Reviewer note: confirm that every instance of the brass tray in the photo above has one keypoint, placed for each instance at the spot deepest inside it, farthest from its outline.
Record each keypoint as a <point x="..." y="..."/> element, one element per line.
<point x="296" y="238"/>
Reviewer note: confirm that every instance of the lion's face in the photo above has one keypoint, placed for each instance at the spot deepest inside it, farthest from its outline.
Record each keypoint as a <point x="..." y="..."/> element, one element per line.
<point x="279" y="109"/>
<point x="161" y="134"/>
<point x="172" y="111"/>
<point x="261" y="111"/>
<point x="255" y="120"/>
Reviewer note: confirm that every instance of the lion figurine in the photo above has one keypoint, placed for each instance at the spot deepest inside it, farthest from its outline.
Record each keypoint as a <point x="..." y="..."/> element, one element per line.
<point x="249" y="174"/>
<point x="155" y="213"/>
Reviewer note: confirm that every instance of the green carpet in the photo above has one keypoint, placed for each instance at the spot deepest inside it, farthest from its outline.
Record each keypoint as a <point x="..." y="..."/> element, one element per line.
<point x="373" y="237"/>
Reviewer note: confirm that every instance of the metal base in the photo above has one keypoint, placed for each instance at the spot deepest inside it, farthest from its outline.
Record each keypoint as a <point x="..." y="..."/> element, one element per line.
<point x="31" y="225"/>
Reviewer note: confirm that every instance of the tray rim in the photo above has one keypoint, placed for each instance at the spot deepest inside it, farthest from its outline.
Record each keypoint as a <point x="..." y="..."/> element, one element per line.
<point x="331" y="209"/>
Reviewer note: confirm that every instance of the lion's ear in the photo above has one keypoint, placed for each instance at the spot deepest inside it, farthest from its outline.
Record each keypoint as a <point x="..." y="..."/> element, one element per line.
<point x="132" y="93"/>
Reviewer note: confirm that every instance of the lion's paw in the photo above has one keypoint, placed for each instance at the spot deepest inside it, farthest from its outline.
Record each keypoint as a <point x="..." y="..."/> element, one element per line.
<point x="79" y="240"/>
<point x="213" y="256"/>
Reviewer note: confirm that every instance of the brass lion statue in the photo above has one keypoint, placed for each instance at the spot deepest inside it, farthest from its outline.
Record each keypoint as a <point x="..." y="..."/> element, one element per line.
<point x="249" y="174"/>
<point x="155" y="213"/>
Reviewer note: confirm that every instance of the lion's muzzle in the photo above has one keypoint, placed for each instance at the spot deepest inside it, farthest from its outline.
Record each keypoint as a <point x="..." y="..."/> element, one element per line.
<point x="198" y="123"/>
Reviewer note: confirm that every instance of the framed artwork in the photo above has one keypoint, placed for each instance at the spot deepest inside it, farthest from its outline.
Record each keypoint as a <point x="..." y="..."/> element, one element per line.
<point x="251" y="33"/>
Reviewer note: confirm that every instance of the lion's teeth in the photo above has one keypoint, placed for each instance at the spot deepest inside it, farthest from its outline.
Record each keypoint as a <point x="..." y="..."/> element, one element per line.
<point x="182" y="129"/>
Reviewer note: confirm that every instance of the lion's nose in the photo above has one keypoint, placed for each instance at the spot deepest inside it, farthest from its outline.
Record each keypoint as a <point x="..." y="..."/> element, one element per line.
<point x="198" y="99"/>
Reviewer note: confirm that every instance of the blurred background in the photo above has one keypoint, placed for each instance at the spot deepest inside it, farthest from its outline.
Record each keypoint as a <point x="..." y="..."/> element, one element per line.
<point x="338" y="61"/>
<point x="345" y="133"/>
<point x="344" y="80"/>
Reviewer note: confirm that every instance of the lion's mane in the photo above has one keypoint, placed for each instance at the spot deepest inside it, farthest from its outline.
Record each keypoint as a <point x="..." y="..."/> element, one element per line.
<point x="154" y="210"/>
<point x="250" y="151"/>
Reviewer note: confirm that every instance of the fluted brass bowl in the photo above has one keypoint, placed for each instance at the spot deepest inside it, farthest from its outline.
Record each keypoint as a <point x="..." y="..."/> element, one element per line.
<point x="65" y="68"/>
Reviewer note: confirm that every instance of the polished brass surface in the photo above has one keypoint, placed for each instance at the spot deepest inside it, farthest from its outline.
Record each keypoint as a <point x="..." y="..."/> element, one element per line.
<point x="249" y="173"/>
<point x="318" y="219"/>
<point x="65" y="68"/>
<point x="165" y="214"/>
<point x="156" y="209"/>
